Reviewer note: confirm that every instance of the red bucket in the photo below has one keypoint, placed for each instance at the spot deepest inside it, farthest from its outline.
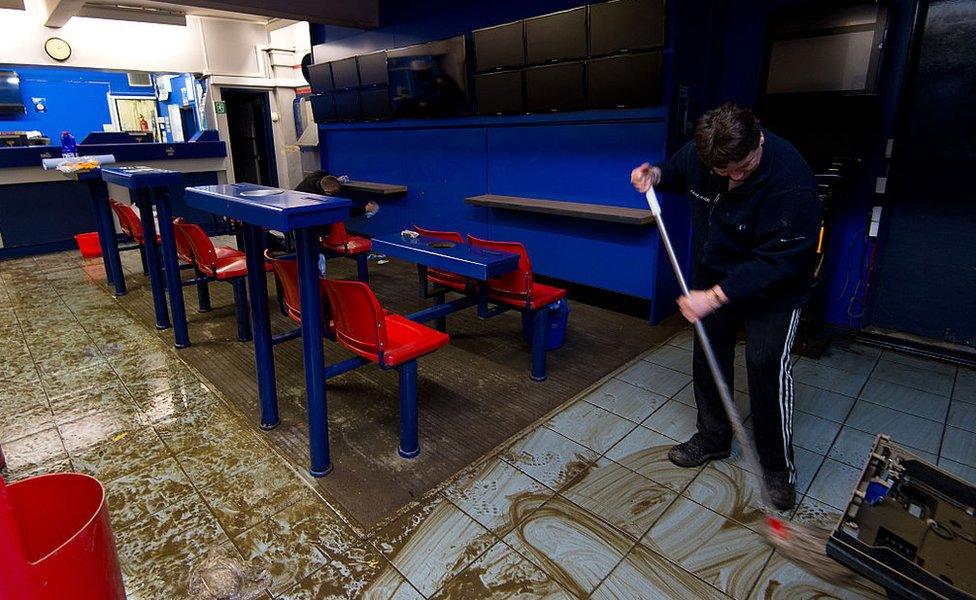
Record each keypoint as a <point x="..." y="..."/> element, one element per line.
<point x="88" y="244"/>
<point x="56" y="541"/>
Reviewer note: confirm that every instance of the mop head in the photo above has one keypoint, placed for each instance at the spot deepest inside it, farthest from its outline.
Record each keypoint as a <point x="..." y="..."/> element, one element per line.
<point x="216" y="577"/>
<point x="806" y="547"/>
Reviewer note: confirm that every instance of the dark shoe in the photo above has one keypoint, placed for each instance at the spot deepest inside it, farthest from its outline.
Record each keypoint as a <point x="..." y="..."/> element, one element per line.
<point x="696" y="452"/>
<point x="782" y="491"/>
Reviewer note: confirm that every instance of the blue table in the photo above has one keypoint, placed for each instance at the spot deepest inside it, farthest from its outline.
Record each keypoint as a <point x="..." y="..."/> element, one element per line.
<point x="479" y="264"/>
<point x="105" y="226"/>
<point x="149" y="187"/>
<point x="258" y="208"/>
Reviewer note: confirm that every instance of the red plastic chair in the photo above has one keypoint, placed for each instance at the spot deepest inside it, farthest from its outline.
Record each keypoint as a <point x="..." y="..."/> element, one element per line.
<point x="338" y="242"/>
<point x="212" y="264"/>
<point x="391" y="341"/>
<point x="445" y="279"/>
<point x="56" y="541"/>
<point x="132" y="227"/>
<point x="518" y="290"/>
<point x="286" y="276"/>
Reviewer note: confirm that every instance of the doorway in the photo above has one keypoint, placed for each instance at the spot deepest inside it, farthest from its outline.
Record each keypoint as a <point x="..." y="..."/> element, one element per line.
<point x="926" y="269"/>
<point x="251" y="138"/>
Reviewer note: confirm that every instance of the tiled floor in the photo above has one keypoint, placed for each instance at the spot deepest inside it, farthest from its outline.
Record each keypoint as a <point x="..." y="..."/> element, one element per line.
<point x="583" y="505"/>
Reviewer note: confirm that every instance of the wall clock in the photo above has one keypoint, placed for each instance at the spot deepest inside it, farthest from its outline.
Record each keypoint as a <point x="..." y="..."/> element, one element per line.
<point x="57" y="49"/>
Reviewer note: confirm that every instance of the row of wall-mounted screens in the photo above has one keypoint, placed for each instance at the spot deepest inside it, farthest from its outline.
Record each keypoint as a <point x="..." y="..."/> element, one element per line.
<point x="600" y="56"/>
<point x="607" y="82"/>
<point x="585" y="32"/>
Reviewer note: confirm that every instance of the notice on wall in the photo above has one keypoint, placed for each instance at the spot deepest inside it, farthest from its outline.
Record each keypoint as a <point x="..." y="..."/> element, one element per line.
<point x="220" y="107"/>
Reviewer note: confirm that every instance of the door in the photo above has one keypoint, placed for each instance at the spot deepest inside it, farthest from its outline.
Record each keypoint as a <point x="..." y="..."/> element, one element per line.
<point x="926" y="271"/>
<point x="251" y="138"/>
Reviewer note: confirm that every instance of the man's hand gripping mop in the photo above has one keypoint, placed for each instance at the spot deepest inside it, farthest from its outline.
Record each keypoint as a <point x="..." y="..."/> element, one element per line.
<point x="805" y="546"/>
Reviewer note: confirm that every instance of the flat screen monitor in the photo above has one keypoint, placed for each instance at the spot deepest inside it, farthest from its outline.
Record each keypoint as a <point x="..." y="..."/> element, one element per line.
<point x="376" y="102"/>
<point x="323" y="108"/>
<point x="624" y="25"/>
<point x="429" y="79"/>
<point x="11" y="102"/>
<point x="347" y="106"/>
<point x="320" y="77"/>
<point x="345" y="74"/>
<point x="499" y="47"/>
<point x="555" y="37"/>
<point x="499" y="93"/>
<point x="554" y="87"/>
<point x="611" y="82"/>
<point x="372" y="69"/>
<point x="835" y="62"/>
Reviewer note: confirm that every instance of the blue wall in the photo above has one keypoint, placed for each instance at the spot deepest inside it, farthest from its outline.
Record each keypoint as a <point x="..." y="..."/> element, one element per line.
<point x="581" y="156"/>
<point x="76" y="100"/>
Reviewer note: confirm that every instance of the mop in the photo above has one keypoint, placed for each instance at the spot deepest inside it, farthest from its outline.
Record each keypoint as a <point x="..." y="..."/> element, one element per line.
<point x="804" y="546"/>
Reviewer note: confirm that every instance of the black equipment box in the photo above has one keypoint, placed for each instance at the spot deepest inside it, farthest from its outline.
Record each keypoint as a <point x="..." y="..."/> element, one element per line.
<point x="909" y="527"/>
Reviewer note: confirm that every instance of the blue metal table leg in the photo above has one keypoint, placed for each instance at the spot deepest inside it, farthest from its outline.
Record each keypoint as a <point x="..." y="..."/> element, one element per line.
<point x="307" y="253"/>
<point x="240" y="306"/>
<point x="144" y="202"/>
<point x="261" y="325"/>
<point x="441" y="323"/>
<point x="409" y="437"/>
<point x="362" y="268"/>
<point x="539" y="331"/>
<point x="171" y="265"/>
<point x="203" y="289"/>
<point x="107" y="240"/>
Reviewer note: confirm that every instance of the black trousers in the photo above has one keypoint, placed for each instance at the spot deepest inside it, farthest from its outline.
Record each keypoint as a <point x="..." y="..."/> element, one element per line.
<point x="769" y="338"/>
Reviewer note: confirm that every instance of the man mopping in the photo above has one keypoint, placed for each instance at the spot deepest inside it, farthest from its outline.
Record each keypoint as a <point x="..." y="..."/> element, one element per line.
<point x="756" y="218"/>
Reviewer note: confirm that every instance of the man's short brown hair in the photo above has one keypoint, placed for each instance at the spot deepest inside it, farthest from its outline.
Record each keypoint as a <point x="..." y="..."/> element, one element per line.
<point x="726" y="134"/>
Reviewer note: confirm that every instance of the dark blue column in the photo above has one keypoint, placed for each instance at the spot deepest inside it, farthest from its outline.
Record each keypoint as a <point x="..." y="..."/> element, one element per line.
<point x="261" y="325"/>
<point x="143" y="200"/>
<point x="539" y="334"/>
<point x="409" y="437"/>
<point x="171" y="264"/>
<point x="107" y="239"/>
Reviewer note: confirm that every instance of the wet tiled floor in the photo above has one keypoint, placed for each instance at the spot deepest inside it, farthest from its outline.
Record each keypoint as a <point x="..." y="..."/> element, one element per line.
<point x="583" y="505"/>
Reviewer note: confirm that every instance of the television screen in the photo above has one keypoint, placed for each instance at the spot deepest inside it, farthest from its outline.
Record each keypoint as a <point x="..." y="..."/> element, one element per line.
<point x="624" y="25"/>
<point x="372" y="69"/>
<point x="347" y="106"/>
<point x="499" y="93"/>
<point x="429" y="79"/>
<point x="499" y="47"/>
<point x="323" y="108"/>
<point x="376" y="102"/>
<point x="320" y="77"/>
<point x="559" y="36"/>
<point x="554" y="87"/>
<point x="345" y="75"/>
<point x="837" y="62"/>
<point x="611" y="82"/>
<point x="11" y="101"/>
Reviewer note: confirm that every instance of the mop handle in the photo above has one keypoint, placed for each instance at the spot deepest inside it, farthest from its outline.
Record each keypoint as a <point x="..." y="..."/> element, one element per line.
<point x="745" y="440"/>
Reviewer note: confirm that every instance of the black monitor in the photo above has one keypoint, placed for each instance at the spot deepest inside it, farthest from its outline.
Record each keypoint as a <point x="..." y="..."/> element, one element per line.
<point x="11" y="102"/>
<point x="554" y="87"/>
<point x="499" y="47"/>
<point x="376" y="102"/>
<point x="323" y="108"/>
<point x="624" y="80"/>
<point x="430" y="79"/>
<point x="372" y="69"/>
<point x="345" y="75"/>
<point x="347" y="106"/>
<point x="320" y="77"/>
<point x="499" y="93"/>
<point x="624" y="25"/>
<point x="555" y="37"/>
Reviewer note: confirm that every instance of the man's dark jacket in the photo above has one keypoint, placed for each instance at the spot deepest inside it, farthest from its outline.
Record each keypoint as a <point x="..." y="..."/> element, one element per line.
<point x="759" y="240"/>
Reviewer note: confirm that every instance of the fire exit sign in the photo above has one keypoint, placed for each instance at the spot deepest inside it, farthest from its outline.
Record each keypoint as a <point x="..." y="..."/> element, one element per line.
<point x="220" y="107"/>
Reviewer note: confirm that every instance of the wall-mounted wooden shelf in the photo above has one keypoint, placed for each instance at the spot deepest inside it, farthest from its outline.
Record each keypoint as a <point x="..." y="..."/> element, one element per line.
<point x="370" y="187"/>
<point x="596" y="212"/>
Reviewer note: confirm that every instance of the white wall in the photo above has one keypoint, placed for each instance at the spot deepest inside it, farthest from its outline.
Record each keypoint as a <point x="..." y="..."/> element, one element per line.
<point x="102" y="43"/>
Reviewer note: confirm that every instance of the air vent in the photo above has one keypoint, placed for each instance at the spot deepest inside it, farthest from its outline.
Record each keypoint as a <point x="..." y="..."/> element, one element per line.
<point x="139" y="79"/>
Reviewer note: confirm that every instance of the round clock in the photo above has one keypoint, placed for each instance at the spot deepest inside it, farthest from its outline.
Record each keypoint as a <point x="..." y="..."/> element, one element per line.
<point x="57" y="49"/>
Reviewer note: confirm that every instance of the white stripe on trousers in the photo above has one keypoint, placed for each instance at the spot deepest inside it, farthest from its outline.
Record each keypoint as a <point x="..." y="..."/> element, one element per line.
<point x="786" y="392"/>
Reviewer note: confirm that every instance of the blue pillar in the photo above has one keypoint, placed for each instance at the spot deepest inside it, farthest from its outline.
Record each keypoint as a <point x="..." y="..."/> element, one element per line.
<point x="307" y="254"/>
<point x="409" y="437"/>
<point x="144" y="201"/>
<point x="539" y="334"/>
<point x="171" y="264"/>
<point x="261" y="325"/>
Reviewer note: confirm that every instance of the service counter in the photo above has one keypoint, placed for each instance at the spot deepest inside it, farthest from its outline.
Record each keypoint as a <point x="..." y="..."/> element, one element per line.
<point x="41" y="211"/>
